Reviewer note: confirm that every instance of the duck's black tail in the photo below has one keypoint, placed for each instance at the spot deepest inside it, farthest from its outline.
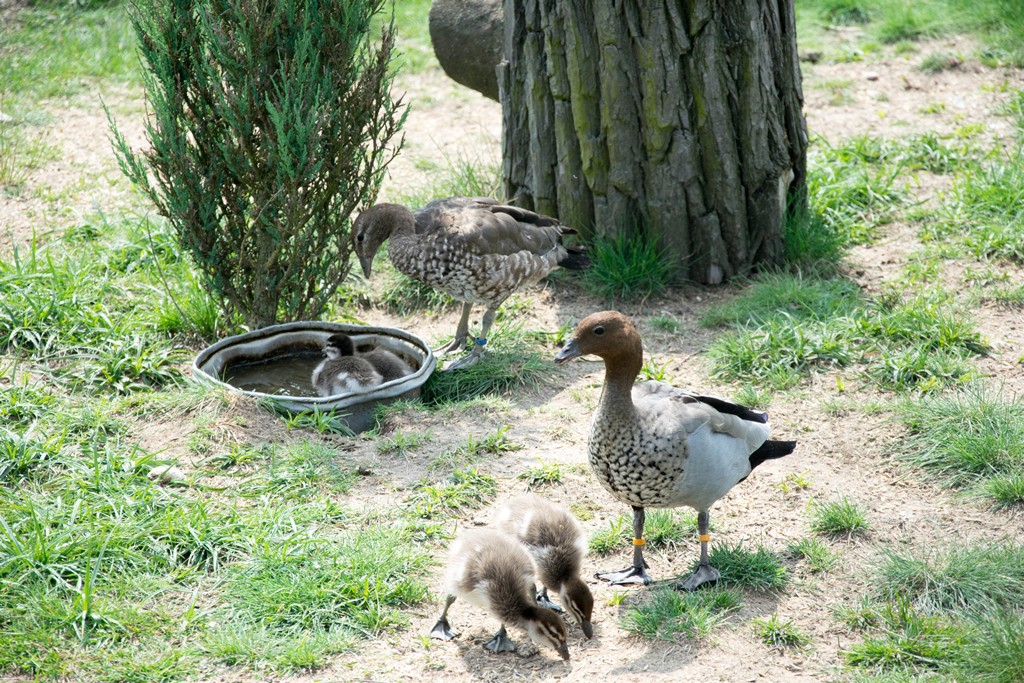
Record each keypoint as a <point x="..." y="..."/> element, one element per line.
<point x="575" y="259"/>
<point x="770" y="450"/>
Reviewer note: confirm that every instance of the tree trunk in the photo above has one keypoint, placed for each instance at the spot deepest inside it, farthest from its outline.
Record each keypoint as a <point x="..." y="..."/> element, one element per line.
<point x="681" y="120"/>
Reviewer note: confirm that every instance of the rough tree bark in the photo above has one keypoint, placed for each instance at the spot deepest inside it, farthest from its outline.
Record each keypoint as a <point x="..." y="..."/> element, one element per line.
<point x="678" y="119"/>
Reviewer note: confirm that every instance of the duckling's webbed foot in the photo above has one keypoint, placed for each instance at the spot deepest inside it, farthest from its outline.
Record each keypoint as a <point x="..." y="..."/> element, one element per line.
<point x="443" y="630"/>
<point x="544" y="601"/>
<point x="704" y="573"/>
<point x="623" y="577"/>
<point x="500" y="642"/>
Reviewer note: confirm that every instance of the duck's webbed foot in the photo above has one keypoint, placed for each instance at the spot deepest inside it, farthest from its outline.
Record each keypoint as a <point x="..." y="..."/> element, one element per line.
<point x="500" y="642"/>
<point x="443" y="630"/>
<point x="470" y="359"/>
<point x="637" y="574"/>
<point x="704" y="573"/>
<point x="455" y="344"/>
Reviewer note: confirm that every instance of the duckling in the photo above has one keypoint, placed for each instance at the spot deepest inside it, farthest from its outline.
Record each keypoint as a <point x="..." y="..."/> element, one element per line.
<point x="337" y="374"/>
<point x="388" y="364"/>
<point x="554" y="541"/>
<point x="491" y="570"/>
<point x="476" y="250"/>
<point x="652" y="445"/>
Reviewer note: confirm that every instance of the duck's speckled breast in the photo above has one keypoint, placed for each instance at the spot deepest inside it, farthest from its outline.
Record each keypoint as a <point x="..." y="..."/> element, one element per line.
<point x="636" y="466"/>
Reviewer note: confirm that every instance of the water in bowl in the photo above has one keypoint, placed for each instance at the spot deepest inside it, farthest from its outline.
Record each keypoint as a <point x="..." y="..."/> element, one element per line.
<point x="286" y="375"/>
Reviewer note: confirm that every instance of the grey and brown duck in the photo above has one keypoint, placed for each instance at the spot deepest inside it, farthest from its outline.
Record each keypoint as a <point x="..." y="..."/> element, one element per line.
<point x="476" y="250"/>
<point x="652" y="445"/>
<point x="389" y="365"/>
<point x="554" y="541"/>
<point x="343" y="374"/>
<point x="489" y="569"/>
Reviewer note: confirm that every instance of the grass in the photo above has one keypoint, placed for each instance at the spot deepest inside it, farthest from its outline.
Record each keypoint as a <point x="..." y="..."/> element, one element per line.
<point x="788" y="326"/>
<point x="757" y="569"/>
<point x="543" y="474"/>
<point x="972" y="439"/>
<point x="984" y="212"/>
<point x="971" y="578"/>
<point x="841" y="517"/>
<point x="668" y="614"/>
<point x="263" y="562"/>
<point x="950" y="611"/>
<point x="462" y="489"/>
<point x="663" y="528"/>
<point x="473" y="449"/>
<point x="511" y="363"/>
<point x="627" y="267"/>
<point x="818" y="556"/>
<point x="775" y="632"/>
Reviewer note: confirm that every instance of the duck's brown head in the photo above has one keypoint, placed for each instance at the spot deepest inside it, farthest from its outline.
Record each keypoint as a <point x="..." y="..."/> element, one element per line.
<point x="374" y="226"/>
<point x="608" y="334"/>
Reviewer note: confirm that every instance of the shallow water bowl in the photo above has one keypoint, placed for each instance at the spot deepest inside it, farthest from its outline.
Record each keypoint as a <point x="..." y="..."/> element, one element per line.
<point x="275" y="363"/>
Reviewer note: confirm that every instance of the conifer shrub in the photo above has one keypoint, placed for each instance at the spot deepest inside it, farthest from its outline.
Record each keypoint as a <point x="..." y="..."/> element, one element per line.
<point x="269" y="124"/>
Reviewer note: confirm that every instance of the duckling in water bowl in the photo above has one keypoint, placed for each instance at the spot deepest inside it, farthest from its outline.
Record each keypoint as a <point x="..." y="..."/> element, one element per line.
<point x="276" y="364"/>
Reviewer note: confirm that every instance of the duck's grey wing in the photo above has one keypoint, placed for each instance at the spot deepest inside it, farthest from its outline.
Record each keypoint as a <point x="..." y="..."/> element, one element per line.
<point x="668" y="408"/>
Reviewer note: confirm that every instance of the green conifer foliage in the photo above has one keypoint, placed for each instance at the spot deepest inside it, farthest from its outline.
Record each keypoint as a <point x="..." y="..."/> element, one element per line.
<point x="270" y="123"/>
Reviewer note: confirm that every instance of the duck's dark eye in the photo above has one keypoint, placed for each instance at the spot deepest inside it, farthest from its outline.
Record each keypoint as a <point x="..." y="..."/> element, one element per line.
<point x="599" y="329"/>
<point x="360" y="237"/>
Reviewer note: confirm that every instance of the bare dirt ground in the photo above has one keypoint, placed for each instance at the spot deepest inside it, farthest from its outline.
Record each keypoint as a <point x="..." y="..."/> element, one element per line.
<point x="840" y="454"/>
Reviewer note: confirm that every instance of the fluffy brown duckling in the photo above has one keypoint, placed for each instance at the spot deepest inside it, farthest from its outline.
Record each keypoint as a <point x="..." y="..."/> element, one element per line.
<point x="388" y="364"/>
<point x="476" y="250"/>
<point x="554" y="541"/>
<point x="338" y="374"/>
<point x="652" y="445"/>
<point x="489" y="569"/>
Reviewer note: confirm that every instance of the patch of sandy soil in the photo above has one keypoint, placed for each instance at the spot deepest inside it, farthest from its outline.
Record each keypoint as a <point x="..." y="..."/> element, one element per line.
<point x="842" y="453"/>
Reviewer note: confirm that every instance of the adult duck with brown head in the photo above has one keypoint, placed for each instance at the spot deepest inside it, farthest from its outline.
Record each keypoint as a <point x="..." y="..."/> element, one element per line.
<point x="653" y="445"/>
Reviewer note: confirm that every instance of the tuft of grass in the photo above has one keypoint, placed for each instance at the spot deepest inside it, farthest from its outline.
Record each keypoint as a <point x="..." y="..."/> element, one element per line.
<point x="993" y="651"/>
<point x="302" y="469"/>
<point x="401" y="443"/>
<point x="607" y="541"/>
<point x="627" y="267"/>
<point x="663" y="528"/>
<point x="794" y="482"/>
<point x="463" y="489"/>
<point x="777" y="633"/>
<point x="758" y="569"/>
<point x="818" y="556"/>
<point x="922" y="343"/>
<point x="663" y="322"/>
<point x="542" y="474"/>
<point x="358" y="581"/>
<point x="985" y="211"/>
<point x="787" y="295"/>
<point x="938" y="62"/>
<point x="958" y="579"/>
<point x="910" y="21"/>
<point x="322" y="421"/>
<point x="841" y="517"/>
<point x="668" y="613"/>
<point x="905" y="639"/>
<point x="971" y="438"/>
<point x="473" y="449"/>
<point x="850" y="193"/>
<point x="511" y="363"/>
